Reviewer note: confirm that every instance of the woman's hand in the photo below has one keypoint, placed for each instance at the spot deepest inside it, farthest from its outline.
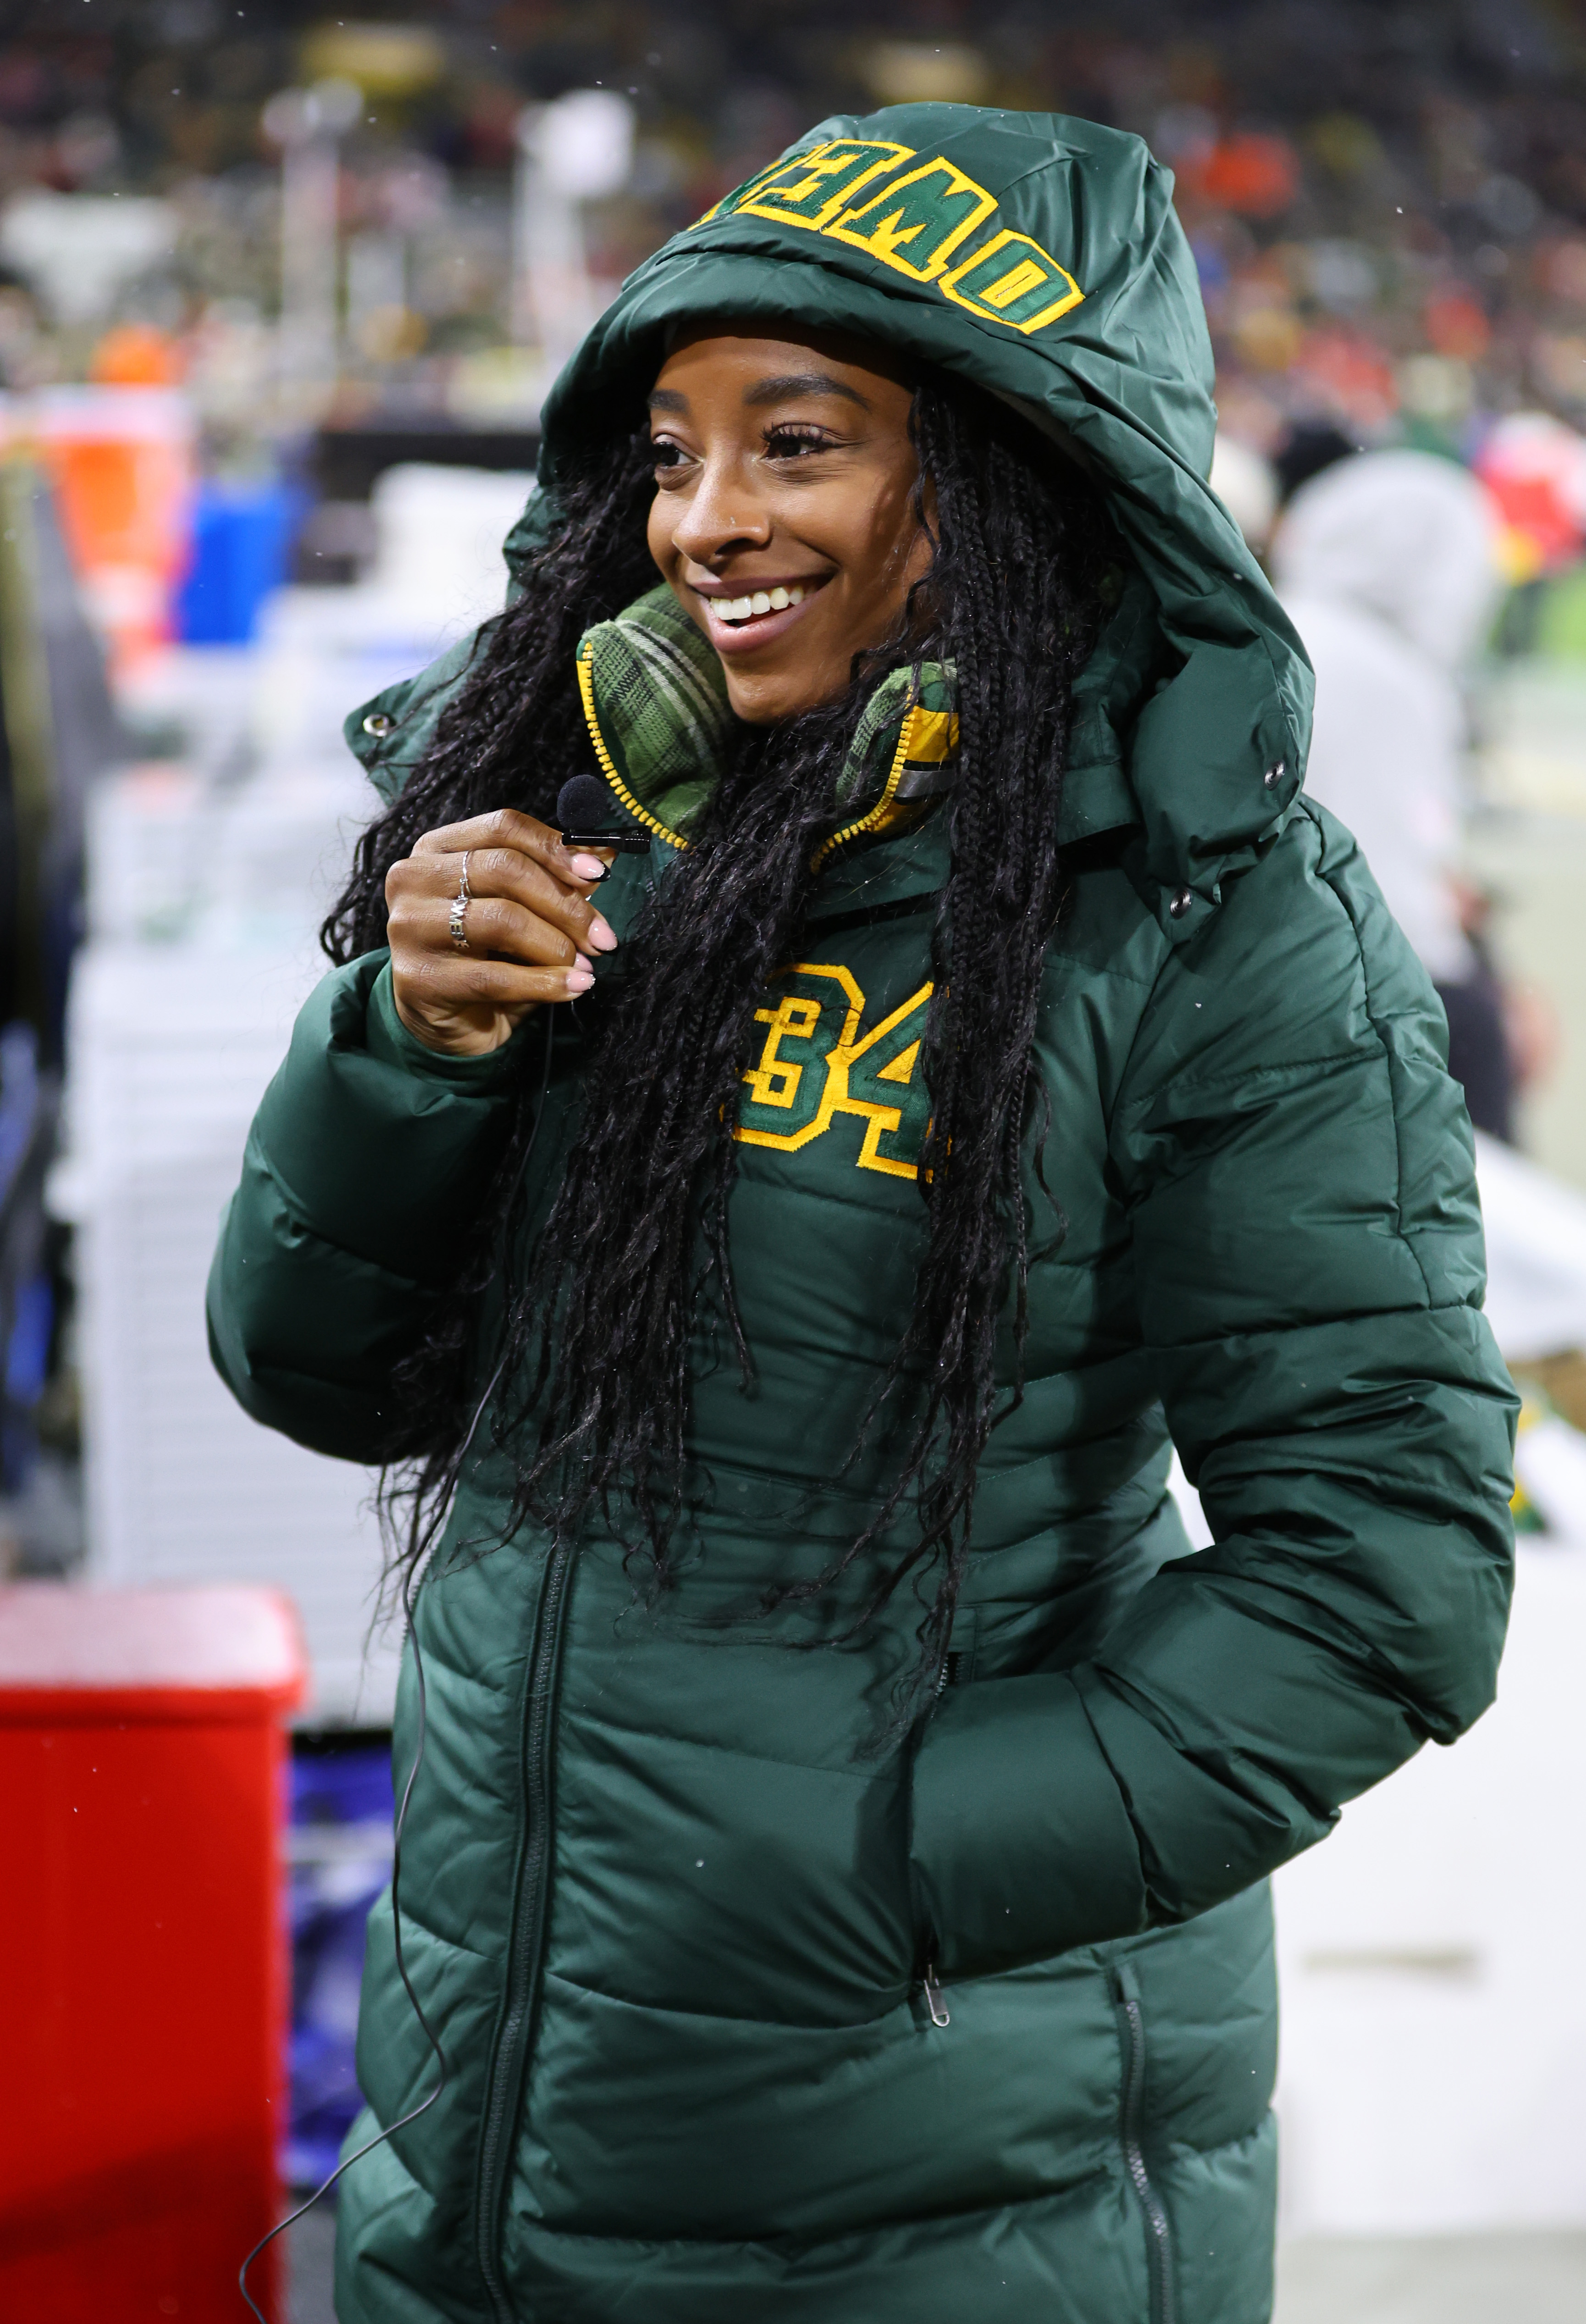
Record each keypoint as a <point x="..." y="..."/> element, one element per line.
<point x="529" y="926"/>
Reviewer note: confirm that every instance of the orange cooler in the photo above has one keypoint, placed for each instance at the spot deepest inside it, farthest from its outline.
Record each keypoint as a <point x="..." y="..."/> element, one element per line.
<point x="142" y="1949"/>
<point x="122" y="462"/>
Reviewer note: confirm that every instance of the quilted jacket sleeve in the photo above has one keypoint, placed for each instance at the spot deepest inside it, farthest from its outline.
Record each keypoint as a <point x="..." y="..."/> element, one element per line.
<point x="364" y="1163"/>
<point x="1299" y="1176"/>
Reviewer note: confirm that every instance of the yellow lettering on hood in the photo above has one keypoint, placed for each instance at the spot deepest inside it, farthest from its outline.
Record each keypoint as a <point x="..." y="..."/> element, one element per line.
<point x="913" y="224"/>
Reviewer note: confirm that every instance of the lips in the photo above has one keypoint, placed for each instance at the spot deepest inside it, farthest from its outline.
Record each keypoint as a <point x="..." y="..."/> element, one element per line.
<point x="757" y="617"/>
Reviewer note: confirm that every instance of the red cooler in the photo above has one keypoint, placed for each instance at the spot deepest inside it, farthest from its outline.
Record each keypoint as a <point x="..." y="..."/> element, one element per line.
<point x="142" y="1949"/>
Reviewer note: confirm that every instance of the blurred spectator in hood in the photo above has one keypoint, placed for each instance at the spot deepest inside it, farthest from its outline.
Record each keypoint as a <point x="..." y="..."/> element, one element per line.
<point x="1310" y="446"/>
<point x="1387" y="565"/>
<point x="1245" y="485"/>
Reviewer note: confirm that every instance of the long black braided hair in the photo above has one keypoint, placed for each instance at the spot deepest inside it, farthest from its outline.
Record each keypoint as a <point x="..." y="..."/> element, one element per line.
<point x="589" y="1338"/>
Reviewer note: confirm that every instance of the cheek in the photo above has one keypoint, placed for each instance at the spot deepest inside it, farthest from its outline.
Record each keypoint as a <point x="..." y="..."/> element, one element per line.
<point x="889" y="558"/>
<point x="850" y="528"/>
<point x="658" y="533"/>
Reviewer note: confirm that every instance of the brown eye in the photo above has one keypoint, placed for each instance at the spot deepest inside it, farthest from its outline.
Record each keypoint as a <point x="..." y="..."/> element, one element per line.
<point x="793" y="443"/>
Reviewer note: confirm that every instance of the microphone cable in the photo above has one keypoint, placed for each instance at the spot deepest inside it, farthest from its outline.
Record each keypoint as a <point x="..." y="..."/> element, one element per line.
<point x="400" y="1824"/>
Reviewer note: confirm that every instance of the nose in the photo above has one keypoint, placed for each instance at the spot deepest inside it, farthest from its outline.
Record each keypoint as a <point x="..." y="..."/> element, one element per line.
<point x="723" y="512"/>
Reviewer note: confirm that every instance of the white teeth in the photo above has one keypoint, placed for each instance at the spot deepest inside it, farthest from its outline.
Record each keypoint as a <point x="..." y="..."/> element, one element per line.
<point x="761" y="601"/>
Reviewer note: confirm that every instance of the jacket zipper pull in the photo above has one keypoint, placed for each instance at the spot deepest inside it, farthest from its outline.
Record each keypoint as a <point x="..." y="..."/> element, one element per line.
<point x="940" y="2012"/>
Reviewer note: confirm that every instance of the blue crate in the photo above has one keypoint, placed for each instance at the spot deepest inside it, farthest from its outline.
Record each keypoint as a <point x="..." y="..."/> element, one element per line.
<point x="341" y="1860"/>
<point x="242" y="542"/>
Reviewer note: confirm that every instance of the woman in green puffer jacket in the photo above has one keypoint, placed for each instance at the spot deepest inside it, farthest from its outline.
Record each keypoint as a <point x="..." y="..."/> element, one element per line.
<point x="774" y="1269"/>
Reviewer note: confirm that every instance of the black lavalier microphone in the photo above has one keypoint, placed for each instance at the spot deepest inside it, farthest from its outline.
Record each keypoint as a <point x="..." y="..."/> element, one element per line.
<point x="583" y="804"/>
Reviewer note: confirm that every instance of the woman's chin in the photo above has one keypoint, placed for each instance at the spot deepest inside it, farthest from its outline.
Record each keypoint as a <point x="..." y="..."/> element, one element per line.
<point x="766" y="697"/>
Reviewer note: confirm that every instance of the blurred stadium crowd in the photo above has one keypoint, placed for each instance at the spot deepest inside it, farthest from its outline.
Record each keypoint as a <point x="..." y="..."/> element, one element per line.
<point x="1387" y="203"/>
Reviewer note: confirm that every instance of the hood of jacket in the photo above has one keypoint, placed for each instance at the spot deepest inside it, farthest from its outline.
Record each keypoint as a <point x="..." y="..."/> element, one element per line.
<point x="1040" y="257"/>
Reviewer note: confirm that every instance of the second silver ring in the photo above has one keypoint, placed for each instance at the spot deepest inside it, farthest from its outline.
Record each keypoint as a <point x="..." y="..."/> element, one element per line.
<point x="460" y="903"/>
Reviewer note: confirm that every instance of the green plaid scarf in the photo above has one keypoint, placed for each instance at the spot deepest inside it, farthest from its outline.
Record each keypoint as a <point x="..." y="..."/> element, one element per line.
<point x="661" y="695"/>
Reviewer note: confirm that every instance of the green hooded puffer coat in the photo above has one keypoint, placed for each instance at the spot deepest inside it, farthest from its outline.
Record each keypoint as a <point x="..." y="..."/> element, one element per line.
<point x="668" y="1909"/>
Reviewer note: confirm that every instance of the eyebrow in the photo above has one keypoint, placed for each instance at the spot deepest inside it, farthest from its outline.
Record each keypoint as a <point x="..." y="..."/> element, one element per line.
<point x="768" y="391"/>
<point x="801" y="382"/>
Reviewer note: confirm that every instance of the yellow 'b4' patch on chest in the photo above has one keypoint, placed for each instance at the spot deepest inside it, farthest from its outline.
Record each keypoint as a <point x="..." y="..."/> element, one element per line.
<point x="818" y="1062"/>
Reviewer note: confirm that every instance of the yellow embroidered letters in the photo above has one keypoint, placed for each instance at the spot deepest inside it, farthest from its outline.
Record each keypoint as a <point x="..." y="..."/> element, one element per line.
<point x="815" y="187"/>
<point x="773" y="1080"/>
<point x="918" y="221"/>
<point x="1011" y="280"/>
<point x="849" y="190"/>
<point x="817" y="1063"/>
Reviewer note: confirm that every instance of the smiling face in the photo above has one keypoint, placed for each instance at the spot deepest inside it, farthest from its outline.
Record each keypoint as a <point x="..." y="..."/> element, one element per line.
<point x="784" y="516"/>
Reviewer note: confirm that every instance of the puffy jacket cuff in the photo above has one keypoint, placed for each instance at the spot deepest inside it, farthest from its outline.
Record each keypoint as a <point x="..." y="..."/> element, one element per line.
<point x="383" y="1157"/>
<point x="389" y="1040"/>
<point x="1022" y="1844"/>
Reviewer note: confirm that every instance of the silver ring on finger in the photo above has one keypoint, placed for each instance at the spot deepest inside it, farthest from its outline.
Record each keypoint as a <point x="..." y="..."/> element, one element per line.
<point x="460" y="903"/>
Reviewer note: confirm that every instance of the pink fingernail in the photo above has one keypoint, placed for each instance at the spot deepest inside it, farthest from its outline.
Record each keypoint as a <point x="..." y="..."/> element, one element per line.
<point x="600" y="935"/>
<point x="587" y="867"/>
<point x="578" y="980"/>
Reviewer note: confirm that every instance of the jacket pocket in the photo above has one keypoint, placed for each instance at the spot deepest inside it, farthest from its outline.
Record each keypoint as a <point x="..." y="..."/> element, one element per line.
<point x="1159" y="2236"/>
<point x="1019" y="1840"/>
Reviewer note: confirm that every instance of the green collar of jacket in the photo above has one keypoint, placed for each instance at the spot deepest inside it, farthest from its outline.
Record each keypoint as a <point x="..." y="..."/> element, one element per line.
<point x="1039" y="256"/>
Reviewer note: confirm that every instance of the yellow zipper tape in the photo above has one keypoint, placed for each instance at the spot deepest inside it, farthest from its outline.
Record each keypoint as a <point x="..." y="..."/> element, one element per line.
<point x="586" y="688"/>
<point x="927" y="724"/>
<point x="894" y="777"/>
